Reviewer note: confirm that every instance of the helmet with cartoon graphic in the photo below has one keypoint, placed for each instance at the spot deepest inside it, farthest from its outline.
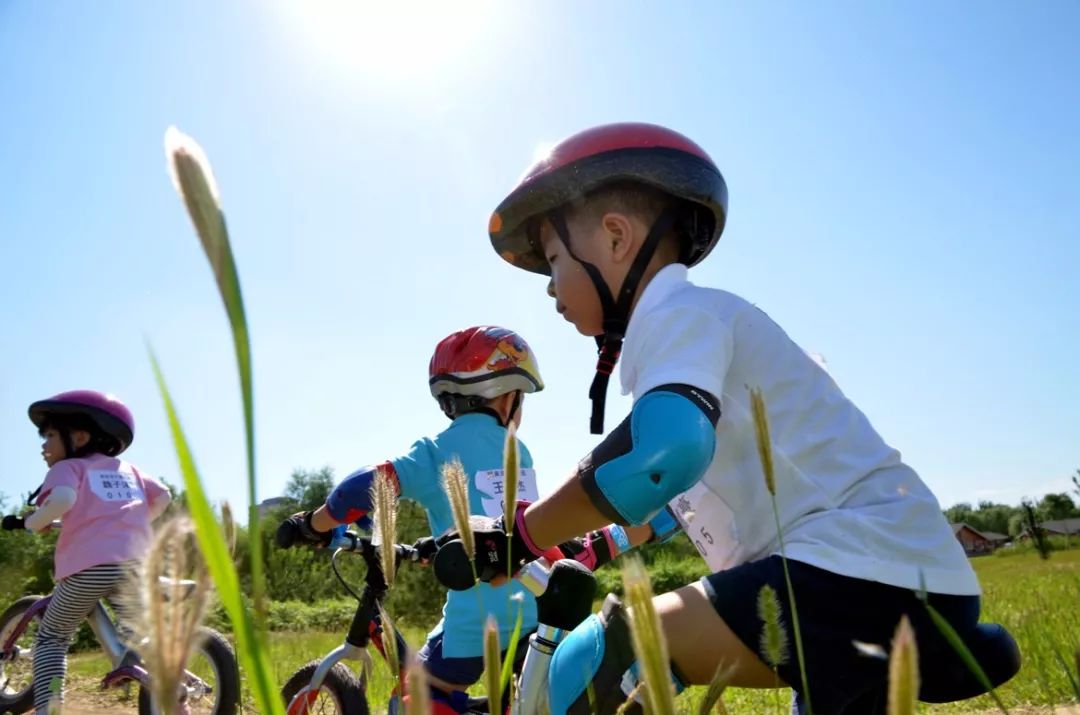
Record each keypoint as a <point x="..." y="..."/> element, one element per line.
<point x="632" y="153"/>
<point x="107" y="418"/>
<point x="477" y="364"/>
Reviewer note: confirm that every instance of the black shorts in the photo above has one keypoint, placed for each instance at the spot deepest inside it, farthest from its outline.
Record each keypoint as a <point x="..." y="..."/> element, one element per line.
<point x="834" y="611"/>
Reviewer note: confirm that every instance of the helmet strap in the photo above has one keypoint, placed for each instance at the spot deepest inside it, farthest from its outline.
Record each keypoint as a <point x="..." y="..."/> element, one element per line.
<point x="616" y="313"/>
<point x="515" y="405"/>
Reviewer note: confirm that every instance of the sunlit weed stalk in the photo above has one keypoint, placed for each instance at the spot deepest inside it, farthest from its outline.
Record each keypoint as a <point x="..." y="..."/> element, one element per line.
<point x="419" y="700"/>
<point x="390" y="644"/>
<point x="171" y="617"/>
<point x="384" y="497"/>
<point x="650" y="645"/>
<point x="228" y="526"/>
<point x="194" y="181"/>
<point x="492" y="667"/>
<point x="959" y="647"/>
<point x="714" y="694"/>
<point x="903" y="671"/>
<point x="764" y="445"/>
<point x="456" y="486"/>
<point x="511" y="477"/>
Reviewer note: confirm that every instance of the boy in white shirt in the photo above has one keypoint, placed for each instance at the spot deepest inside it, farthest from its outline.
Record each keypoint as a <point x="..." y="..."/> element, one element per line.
<point x="615" y="215"/>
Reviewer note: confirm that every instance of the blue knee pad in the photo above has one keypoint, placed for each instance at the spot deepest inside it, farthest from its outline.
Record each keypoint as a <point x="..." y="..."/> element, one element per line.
<point x="594" y="669"/>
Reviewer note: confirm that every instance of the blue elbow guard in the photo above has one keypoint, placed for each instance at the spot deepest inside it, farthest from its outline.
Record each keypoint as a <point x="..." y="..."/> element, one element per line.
<point x="664" y="526"/>
<point x="351" y="500"/>
<point x="659" y="451"/>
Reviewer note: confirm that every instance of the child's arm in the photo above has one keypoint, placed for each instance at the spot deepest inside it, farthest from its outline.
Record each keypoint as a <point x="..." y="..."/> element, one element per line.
<point x="605" y="545"/>
<point x="158" y="497"/>
<point x="57" y="503"/>
<point x="659" y="451"/>
<point x="349" y="502"/>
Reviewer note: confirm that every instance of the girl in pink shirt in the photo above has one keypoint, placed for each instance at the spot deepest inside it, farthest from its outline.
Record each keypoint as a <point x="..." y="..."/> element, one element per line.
<point x="107" y="505"/>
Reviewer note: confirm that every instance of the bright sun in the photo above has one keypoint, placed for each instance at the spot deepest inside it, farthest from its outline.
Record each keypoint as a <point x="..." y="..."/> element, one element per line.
<point x="394" y="39"/>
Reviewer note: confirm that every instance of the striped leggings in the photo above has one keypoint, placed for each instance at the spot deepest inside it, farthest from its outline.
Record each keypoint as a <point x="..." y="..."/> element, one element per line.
<point x="72" y="601"/>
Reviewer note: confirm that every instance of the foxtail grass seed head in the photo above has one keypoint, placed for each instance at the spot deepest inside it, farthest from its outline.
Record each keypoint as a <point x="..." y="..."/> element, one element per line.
<point x="714" y="693"/>
<point x="389" y="641"/>
<point x="774" y="642"/>
<point x="172" y="616"/>
<point x="903" y="670"/>
<point x="650" y="646"/>
<point x="185" y="158"/>
<point x="492" y="666"/>
<point x="764" y="442"/>
<point x="384" y="497"/>
<point x="419" y="701"/>
<point x="511" y="474"/>
<point x="228" y="526"/>
<point x="456" y="486"/>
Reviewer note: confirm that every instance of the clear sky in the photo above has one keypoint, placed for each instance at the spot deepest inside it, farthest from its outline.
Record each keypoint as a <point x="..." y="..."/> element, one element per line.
<point x="905" y="200"/>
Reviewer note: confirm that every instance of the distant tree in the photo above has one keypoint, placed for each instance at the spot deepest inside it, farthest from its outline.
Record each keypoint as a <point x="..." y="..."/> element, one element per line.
<point x="959" y="513"/>
<point x="1057" y="506"/>
<point x="1031" y="522"/>
<point x="308" y="489"/>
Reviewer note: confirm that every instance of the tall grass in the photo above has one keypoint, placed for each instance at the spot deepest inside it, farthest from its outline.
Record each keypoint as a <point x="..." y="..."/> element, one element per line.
<point x="764" y="446"/>
<point x="194" y="180"/>
<point x="650" y="646"/>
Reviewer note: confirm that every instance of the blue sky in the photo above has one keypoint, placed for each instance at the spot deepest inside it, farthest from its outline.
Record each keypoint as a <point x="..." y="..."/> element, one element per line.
<point x="905" y="200"/>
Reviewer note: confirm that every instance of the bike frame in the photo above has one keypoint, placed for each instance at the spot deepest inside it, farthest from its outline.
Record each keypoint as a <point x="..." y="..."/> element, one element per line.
<point x="531" y="691"/>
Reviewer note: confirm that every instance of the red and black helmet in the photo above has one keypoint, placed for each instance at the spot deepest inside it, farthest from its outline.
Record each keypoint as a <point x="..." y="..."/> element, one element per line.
<point x="484" y="361"/>
<point x="645" y="154"/>
<point x="626" y="152"/>
<point x="106" y="413"/>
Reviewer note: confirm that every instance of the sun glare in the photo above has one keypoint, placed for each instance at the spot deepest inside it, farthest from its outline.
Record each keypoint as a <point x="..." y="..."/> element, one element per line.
<point x="393" y="40"/>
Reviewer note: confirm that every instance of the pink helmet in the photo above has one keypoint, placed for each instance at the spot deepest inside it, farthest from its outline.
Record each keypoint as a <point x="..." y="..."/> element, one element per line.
<point x="107" y="413"/>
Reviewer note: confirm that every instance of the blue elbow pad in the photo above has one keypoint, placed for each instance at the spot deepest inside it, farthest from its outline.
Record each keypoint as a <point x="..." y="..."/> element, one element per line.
<point x="660" y="450"/>
<point x="351" y="500"/>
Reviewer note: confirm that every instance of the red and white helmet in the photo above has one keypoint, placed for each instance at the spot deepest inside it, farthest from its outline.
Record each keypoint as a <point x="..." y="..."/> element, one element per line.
<point x="484" y="361"/>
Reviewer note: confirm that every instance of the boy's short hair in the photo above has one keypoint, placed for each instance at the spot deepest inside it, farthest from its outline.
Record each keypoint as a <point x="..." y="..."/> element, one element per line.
<point x="633" y="199"/>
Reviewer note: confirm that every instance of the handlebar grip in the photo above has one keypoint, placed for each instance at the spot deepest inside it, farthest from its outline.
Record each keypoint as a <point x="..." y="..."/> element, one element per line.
<point x="454" y="567"/>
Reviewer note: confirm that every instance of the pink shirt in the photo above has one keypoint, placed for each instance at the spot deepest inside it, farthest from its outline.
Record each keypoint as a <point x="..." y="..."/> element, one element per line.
<point x="110" y="521"/>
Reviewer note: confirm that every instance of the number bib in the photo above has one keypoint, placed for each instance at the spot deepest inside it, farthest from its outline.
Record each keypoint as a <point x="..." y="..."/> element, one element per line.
<point x="115" y="486"/>
<point x="709" y="523"/>
<point x="491" y="483"/>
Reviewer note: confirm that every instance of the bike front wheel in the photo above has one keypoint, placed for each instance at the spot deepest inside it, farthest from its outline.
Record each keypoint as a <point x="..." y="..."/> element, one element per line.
<point x="340" y="692"/>
<point x="17" y="667"/>
<point x="213" y="685"/>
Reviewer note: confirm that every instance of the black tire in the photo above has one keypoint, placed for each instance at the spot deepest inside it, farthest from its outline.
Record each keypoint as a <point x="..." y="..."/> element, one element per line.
<point x="341" y="685"/>
<point x="22" y="701"/>
<point x="216" y="649"/>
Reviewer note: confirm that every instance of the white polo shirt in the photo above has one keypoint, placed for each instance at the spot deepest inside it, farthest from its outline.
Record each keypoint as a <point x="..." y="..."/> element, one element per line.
<point x="847" y="502"/>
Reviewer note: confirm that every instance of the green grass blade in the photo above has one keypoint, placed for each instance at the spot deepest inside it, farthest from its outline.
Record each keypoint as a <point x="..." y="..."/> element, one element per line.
<point x="970" y="663"/>
<point x="250" y="649"/>
<point x="511" y="648"/>
<point x="194" y="180"/>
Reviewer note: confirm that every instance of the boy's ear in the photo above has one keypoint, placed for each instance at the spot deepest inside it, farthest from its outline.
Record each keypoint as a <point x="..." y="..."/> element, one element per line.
<point x="618" y="236"/>
<point x="79" y="438"/>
